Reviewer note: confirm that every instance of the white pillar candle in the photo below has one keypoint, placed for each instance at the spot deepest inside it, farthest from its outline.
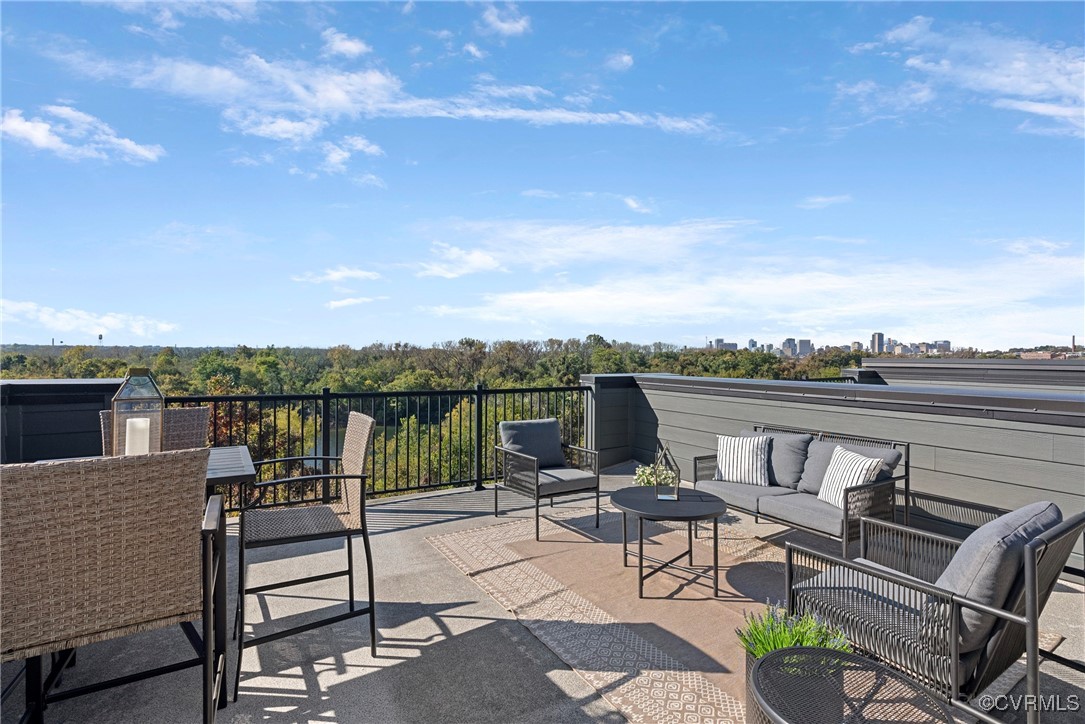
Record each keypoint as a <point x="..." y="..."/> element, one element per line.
<point x="137" y="438"/>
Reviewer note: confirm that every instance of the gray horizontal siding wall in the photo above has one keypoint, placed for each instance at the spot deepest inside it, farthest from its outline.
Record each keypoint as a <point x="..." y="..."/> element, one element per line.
<point x="955" y="452"/>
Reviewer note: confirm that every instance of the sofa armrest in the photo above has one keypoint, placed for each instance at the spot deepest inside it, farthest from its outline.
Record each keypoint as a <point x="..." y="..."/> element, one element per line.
<point x="704" y="468"/>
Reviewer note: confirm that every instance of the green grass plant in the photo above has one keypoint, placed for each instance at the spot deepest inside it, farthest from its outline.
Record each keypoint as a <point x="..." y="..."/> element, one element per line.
<point x="774" y="629"/>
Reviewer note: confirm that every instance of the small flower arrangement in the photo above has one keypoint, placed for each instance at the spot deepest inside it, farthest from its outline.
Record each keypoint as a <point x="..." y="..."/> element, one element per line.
<point x="774" y="629"/>
<point x="656" y="474"/>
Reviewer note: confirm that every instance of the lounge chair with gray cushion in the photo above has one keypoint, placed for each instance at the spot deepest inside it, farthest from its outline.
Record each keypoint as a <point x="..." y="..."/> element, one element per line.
<point x="531" y="460"/>
<point x="951" y="614"/>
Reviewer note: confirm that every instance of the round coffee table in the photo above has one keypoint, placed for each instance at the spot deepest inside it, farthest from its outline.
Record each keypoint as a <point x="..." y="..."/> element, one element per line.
<point x="691" y="507"/>
<point x="810" y="685"/>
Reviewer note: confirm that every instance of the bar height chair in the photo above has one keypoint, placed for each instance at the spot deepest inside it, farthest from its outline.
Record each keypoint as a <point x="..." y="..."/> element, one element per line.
<point x="262" y="525"/>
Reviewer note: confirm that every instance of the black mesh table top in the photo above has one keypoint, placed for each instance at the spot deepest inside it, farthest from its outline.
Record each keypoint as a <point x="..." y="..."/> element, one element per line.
<point x="807" y="685"/>
<point x="693" y="505"/>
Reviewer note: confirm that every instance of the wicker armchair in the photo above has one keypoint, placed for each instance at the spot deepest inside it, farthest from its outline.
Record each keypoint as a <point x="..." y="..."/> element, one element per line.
<point x="951" y="614"/>
<point x="269" y="525"/>
<point x="91" y="551"/>
<point x="183" y="428"/>
<point x="533" y="461"/>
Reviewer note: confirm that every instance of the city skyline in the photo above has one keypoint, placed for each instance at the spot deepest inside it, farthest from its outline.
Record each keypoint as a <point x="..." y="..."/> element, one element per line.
<point x="302" y="174"/>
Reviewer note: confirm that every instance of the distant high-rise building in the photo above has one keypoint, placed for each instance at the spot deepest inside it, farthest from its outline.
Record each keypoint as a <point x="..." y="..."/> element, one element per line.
<point x="769" y="347"/>
<point x="856" y="346"/>
<point x="730" y="346"/>
<point x="877" y="343"/>
<point x="715" y="343"/>
<point x="789" y="348"/>
<point x="806" y="348"/>
<point x="942" y="345"/>
<point x="752" y="344"/>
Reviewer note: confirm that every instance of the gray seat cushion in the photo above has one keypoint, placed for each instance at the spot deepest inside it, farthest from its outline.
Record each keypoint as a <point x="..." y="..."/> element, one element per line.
<point x="540" y="439"/>
<point x="805" y="510"/>
<point x="988" y="563"/>
<point x="820" y="453"/>
<point x="787" y="456"/>
<point x="741" y="495"/>
<point x="555" y="481"/>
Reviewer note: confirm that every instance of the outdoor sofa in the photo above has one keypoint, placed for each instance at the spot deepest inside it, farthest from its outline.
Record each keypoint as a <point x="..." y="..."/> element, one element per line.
<point x="783" y="483"/>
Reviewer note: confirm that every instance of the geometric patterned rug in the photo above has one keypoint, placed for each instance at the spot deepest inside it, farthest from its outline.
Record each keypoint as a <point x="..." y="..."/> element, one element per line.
<point x="643" y="682"/>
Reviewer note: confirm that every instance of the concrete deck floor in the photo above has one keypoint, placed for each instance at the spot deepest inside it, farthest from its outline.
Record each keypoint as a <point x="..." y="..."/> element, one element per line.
<point x="447" y="652"/>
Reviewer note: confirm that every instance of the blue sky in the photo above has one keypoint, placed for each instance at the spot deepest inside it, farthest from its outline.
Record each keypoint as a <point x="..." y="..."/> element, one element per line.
<point x="342" y="173"/>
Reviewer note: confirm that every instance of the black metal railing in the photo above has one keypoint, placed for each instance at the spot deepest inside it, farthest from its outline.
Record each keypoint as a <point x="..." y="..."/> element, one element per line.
<point x="423" y="440"/>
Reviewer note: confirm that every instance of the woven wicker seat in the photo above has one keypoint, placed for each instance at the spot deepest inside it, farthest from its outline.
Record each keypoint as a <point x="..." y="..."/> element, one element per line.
<point x="91" y="551"/>
<point x="901" y="601"/>
<point x="183" y="428"/>
<point x="262" y="526"/>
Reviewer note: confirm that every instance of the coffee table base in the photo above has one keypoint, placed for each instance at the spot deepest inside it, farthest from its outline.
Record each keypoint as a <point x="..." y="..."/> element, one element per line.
<point x="672" y="563"/>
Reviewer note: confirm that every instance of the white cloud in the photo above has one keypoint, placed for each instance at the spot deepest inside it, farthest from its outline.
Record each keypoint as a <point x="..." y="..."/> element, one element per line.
<point x="74" y="135"/>
<point x="337" y="43"/>
<point x="528" y="92"/>
<point x="455" y="262"/>
<point x="619" y="62"/>
<point x="540" y="194"/>
<point x="348" y="302"/>
<point x="338" y="274"/>
<point x="505" y="21"/>
<point x="634" y="205"/>
<point x="274" y="127"/>
<point x="337" y="155"/>
<point x="474" y="51"/>
<point x="1046" y="81"/>
<point x="1018" y="298"/>
<point x="370" y="179"/>
<point x="86" y="323"/>
<point x="820" y="202"/>
<point x="166" y="16"/>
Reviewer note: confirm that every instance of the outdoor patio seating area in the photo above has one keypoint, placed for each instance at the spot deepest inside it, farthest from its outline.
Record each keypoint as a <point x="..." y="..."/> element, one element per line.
<point x="449" y="649"/>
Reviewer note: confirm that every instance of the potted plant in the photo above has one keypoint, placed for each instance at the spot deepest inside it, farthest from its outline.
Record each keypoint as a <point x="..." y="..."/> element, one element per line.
<point x="661" y="474"/>
<point x="775" y="629"/>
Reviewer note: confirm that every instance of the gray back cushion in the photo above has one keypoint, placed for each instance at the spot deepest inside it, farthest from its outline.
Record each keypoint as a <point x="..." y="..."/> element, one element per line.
<point x="787" y="456"/>
<point x="538" y="438"/>
<point x="989" y="561"/>
<point x="820" y="453"/>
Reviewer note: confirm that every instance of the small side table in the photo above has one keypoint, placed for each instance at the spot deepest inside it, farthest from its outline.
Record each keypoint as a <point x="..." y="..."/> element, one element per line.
<point x="692" y="506"/>
<point x="810" y="685"/>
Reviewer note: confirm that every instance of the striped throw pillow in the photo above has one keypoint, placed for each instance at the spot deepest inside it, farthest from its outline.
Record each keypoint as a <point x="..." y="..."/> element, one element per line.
<point x="846" y="470"/>
<point x="743" y="459"/>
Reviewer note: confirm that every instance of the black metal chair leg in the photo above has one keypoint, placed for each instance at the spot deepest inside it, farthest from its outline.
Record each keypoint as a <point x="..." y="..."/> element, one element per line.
<point x="350" y="572"/>
<point x="597" y="507"/>
<point x="35" y="692"/>
<point x="537" y="517"/>
<point x="239" y="620"/>
<point x="372" y="599"/>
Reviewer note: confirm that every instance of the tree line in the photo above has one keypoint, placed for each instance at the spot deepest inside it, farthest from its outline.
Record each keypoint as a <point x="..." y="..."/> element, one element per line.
<point x="401" y="367"/>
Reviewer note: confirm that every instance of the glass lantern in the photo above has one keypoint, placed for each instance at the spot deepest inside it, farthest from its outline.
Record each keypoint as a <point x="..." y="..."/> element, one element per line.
<point x="667" y="476"/>
<point x="137" y="414"/>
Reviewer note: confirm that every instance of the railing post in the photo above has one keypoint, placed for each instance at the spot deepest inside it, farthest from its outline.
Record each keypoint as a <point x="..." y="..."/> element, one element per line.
<point x="326" y="441"/>
<point x="479" y="387"/>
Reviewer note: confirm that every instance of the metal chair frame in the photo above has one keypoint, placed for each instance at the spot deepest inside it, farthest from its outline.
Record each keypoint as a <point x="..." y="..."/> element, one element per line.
<point x="519" y="473"/>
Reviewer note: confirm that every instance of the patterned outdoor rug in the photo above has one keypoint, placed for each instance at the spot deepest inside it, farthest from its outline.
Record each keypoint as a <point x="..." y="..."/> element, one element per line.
<point x="572" y="592"/>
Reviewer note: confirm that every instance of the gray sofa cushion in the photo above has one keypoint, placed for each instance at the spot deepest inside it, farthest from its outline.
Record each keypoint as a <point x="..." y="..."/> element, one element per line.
<point x="742" y="495"/>
<point x="554" y="481"/>
<point x="806" y="511"/>
<point x="820" y="453"/>
<point x="988" y="562"/>
<point x="787" y="456"/>
<point x="538" y="438"/>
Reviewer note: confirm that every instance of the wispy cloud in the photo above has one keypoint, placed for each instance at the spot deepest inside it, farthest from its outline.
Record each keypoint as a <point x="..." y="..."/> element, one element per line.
<point x="1045" y="81"/>
<point x="337" y="43"/>
<point x="86" y="323"/>
<point x="348" y="302"/>
<point x="506" y="21"/>
<point x="619" y="62"/>
<point x="75" y="136"/>
<point x="474" y="51"/>
<point x="336" y="155"/>
<point x="338" y="274"/>
<point x="634" y="204"/>
<point x="455" y="262"/>
<point x="820" y="202"/>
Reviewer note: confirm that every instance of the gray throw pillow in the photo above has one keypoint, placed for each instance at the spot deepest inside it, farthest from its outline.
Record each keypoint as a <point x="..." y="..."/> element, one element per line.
<point x="988" y="562"/>
<point x="538" y="438"/>
<point x="787" y="456"/>
<point x="820" y="453"/>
